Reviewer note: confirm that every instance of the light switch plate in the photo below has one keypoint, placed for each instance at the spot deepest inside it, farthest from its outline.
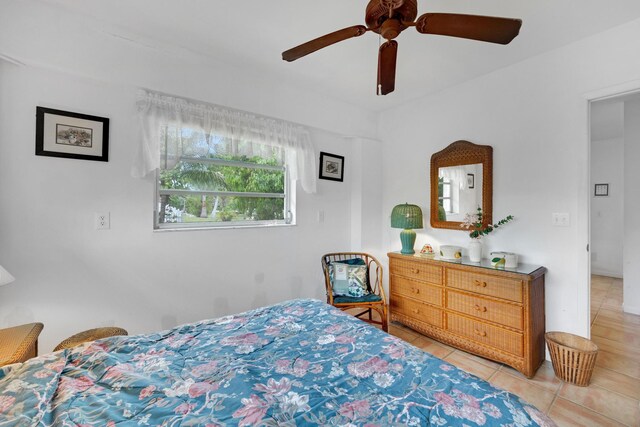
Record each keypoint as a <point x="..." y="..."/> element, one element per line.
<point x="560" y="219"/>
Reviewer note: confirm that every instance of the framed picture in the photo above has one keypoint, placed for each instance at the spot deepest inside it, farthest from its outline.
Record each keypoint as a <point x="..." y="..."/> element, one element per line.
<point x="601" y="190"/>
<point x="471" y="181"/>
<point x="331" y="166"/>
<point x="72" y="135"/>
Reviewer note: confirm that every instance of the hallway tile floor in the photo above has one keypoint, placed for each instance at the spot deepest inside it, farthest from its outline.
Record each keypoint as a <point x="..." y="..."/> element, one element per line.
<point x="612" y="398"/>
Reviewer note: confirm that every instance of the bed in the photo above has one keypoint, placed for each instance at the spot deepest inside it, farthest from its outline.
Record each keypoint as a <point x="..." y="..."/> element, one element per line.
<point x="300" y="362"/>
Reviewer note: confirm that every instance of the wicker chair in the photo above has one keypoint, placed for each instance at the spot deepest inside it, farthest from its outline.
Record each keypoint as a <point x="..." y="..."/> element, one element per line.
<point x="374" y="282"/>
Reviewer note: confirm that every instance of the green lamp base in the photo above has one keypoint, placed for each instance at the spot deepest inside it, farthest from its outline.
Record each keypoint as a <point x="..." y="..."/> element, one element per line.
<point x="408" y="238"/>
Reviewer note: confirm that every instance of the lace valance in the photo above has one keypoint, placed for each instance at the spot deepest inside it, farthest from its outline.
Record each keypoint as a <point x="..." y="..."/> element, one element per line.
<point x="156" y="110"/>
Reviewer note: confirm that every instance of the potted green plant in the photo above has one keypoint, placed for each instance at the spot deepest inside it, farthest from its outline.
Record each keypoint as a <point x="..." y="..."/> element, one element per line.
<point x="475" y="224"/>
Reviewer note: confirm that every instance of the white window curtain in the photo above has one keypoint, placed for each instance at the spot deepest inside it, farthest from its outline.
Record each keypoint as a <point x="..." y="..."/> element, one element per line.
<point x="456" y="174"/>
<point x="156" y="110"/>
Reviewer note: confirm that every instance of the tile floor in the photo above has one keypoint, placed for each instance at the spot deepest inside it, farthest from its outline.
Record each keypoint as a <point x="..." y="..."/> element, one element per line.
<point x="612" y="398"/>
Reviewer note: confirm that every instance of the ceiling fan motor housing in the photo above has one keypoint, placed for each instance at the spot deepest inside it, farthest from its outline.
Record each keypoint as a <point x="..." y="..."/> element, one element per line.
<point x="377" y="15"/>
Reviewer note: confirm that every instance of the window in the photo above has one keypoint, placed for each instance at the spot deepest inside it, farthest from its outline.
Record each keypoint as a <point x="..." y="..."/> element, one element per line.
<point x="219" y="167"/>
<point x="444" y="196"/>
<point x="206" y="180"/>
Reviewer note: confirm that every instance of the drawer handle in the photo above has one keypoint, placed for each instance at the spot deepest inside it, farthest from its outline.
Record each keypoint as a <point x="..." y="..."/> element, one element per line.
<point x="415" y="290"/>
<point x="415" y="271"/>
<point x="415" y="311"/>
<point x="479" y="283"/>
<point x="482" y="309"/>
<point x="481" y="333"/>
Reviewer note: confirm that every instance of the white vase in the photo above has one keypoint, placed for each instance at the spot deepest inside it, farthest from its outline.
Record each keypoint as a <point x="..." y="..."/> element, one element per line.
<point x="475" y="250"/>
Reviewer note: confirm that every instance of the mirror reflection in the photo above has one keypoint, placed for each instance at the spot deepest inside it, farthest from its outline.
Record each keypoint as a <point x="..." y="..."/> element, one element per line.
<point x="461" y="180"/>
<point x="459" y="191"/>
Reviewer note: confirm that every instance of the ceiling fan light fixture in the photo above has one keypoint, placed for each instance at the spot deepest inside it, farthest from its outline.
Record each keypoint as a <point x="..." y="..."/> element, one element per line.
<point x="390" y="29"/>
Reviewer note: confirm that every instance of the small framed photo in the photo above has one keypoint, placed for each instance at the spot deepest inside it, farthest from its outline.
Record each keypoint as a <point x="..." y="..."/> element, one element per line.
<point x="331" y="167"/>
<point x="601" y="190"/>
<point x="471" y="181"/>
<point x="71" y="135"/>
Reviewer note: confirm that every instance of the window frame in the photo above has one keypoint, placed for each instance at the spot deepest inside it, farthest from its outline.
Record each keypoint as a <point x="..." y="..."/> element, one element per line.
<point x="287" y="195"/>
<point x="447" y="182"/>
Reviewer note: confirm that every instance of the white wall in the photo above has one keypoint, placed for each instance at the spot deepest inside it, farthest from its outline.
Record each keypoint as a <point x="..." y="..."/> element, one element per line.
<point x="535" y="115"/>
<point x="72" y="277"/>
<point x="631" y="269"/>
<point x="607" y="226"/>
<point x="40" y="34"/>
<point x="366" y="199"/>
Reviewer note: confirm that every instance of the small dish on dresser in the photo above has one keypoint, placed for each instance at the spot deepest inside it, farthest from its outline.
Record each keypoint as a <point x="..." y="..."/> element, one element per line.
<point x="451" y="253"/>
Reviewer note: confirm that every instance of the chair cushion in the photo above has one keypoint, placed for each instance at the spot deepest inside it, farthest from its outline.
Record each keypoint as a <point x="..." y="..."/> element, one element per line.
<point x="348" y="300"/>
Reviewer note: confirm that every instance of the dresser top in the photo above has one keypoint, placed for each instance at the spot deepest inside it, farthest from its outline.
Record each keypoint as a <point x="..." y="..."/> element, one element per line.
<point x="528" y="269"/>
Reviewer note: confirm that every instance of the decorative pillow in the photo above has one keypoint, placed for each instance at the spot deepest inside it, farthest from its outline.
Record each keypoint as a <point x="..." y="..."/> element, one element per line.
<point x="349" y="278"/>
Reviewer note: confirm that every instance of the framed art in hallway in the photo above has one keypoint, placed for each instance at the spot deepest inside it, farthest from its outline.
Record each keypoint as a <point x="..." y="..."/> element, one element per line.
<point x="71" y="135"/>
<point x="331" y="167"/>
<point x="601" y="190"/>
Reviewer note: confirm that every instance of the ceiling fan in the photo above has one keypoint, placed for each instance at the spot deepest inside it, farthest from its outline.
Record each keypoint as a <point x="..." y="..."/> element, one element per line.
<point x="390" y="17"/>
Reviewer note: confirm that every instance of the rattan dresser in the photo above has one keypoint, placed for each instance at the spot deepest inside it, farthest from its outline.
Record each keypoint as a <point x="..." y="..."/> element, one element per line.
<point x="496" y="314"/>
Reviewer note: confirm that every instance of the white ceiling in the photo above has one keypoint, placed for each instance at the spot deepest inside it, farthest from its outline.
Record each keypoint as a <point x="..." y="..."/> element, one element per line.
<point x="253" y="33"/>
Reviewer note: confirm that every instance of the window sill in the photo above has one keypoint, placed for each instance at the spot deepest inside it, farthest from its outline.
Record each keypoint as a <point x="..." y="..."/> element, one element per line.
<point x="229" y="227"/>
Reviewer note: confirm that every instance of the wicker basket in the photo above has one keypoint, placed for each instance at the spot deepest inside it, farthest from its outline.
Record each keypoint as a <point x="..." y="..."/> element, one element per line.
<point x="573" y="357"/>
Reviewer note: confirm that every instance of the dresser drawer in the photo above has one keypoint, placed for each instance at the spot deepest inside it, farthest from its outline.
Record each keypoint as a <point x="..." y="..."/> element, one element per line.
<point x="495" y="286"/>
<point x="416" y="310"/>
<point x="511" y="342"/>
<point x="417" y="271"/>
<point x="505" y="314"/>
<point x="417" y="290"/>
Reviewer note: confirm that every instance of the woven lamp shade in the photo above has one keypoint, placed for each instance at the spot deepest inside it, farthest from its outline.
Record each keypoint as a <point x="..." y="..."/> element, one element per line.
<point x="406" y="216"/>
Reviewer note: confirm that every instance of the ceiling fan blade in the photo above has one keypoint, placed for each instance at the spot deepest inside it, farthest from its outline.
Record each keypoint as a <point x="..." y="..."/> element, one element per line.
<point x="387" y="67"/>
<point x="483" y="28"/>
<point x="324" y="41"/>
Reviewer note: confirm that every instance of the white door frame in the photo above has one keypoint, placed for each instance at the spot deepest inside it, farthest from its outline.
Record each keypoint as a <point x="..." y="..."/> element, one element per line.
<point x="616" y="91"/>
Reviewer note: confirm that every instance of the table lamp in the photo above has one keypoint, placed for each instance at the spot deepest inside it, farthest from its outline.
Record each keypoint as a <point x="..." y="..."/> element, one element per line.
<point x="407" y="217"/>
<point x="5" y="277"/>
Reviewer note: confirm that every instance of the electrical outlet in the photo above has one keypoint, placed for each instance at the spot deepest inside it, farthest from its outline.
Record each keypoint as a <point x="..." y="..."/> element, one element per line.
<point x="103" y="221"/>
<point x="560" y="219"/>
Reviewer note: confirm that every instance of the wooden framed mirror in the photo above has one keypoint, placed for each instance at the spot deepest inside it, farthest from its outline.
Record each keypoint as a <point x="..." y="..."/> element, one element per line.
<point x="461" y="181"/>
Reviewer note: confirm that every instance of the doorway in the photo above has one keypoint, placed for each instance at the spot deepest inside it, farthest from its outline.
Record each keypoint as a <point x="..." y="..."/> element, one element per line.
<point x="614" y="142"/>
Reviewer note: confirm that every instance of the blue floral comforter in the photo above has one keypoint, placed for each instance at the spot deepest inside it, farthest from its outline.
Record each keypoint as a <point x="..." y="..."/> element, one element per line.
<point x="301" y="362"/>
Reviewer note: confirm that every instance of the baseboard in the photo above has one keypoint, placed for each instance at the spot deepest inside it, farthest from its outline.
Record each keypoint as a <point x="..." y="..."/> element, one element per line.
<point x="630" y="309"/>
<point x="604" y="272"/>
